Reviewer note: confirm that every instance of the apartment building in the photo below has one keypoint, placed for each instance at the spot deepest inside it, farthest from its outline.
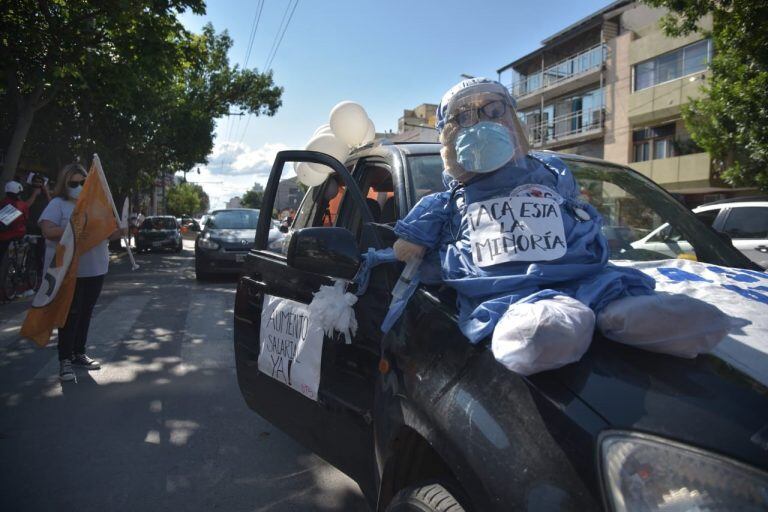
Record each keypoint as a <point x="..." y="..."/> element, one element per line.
<point x="416" y="125"/>
<point x="611" y="86"/>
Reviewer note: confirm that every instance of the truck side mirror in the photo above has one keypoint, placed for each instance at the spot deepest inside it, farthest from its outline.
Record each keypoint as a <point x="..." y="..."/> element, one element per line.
<point x="330" y="251"/>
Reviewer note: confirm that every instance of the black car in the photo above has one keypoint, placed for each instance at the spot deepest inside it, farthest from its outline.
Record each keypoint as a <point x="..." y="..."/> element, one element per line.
<point x="159" y="232"/>
<point x="423" y="420"/>
<point x="226" y="238"/>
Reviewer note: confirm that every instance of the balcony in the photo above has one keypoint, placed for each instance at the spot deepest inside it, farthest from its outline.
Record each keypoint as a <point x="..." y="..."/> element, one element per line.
<point x="572" y="128"/>
<point x="575" y="71"/>
<point x="687" y="173"/>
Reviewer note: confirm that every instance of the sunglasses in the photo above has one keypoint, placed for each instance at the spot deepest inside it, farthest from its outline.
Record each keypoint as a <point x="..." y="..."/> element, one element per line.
<point x="471" y="116"/>
<point x="74" y="184"/>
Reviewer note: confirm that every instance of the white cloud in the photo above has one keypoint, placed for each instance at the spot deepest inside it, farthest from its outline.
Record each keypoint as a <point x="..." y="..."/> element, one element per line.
<point x="238" y="159"/>
<point x="234" y="168"/>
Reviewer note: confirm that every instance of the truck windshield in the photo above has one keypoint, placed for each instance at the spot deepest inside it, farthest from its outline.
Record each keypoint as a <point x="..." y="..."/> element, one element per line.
<point x="426" y="175"/>
<point x="640" y="220"/>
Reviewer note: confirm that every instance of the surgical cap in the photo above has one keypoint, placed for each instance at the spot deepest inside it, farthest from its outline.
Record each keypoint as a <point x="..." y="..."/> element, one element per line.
<point x="467" y="88"/>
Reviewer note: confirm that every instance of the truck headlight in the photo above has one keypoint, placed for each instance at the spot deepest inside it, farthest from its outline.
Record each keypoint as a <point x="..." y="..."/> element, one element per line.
<point x="646" y="473"/>
<point x="206" y="243"/>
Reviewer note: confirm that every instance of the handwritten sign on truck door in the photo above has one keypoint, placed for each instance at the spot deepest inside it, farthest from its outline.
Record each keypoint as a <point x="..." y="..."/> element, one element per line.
<point x="291" y="346"/>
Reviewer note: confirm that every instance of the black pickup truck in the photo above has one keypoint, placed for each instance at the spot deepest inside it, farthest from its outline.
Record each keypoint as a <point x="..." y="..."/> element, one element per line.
<point x="423" y="420"/>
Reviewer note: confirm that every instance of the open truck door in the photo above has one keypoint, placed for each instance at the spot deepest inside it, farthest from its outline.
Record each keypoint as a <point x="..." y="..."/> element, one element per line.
<point x="304" y="382"/>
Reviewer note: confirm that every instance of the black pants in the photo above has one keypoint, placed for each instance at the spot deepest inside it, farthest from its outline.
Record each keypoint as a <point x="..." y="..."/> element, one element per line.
<point x="3" y="248"/>
<point x="74" y="335"/>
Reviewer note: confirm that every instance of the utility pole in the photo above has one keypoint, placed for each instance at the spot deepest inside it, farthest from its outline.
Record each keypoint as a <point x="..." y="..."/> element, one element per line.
<point x="165" y="198"/>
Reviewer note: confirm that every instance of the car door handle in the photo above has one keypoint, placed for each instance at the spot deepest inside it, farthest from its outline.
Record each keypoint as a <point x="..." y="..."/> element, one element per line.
<point x="762" y="248"/>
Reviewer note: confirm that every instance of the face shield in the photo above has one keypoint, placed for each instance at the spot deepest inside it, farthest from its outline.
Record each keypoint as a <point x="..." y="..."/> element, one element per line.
<point x="480" y="130"/>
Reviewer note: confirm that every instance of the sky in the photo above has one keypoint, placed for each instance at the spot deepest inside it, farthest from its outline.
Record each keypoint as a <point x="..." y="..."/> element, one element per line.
<point x="387" y="56"/>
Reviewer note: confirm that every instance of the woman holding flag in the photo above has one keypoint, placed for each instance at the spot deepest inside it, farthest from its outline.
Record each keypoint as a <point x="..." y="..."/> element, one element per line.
<point x="67" y="224"/>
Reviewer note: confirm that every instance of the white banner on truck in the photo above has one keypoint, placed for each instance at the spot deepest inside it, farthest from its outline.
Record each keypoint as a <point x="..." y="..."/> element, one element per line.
<point x="741" y="294"/>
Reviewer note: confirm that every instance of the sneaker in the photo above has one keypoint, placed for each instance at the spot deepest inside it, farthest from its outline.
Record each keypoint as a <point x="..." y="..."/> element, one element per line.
<point x="66" y="373"/>
<point x="84" y="361"/>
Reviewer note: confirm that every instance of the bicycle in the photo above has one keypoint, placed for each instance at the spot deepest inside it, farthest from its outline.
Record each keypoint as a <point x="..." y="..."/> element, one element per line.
<point x="19" y="270"/>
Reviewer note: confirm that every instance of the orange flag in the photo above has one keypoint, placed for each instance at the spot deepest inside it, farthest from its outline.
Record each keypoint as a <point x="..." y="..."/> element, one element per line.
<point x="92" y="221"/>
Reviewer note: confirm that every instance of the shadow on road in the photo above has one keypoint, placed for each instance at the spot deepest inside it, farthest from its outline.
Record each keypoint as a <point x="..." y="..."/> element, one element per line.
<point x="162" y="426"/>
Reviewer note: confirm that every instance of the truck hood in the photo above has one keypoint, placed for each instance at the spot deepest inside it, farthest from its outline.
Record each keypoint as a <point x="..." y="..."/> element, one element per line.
<point x="717" y="401"/>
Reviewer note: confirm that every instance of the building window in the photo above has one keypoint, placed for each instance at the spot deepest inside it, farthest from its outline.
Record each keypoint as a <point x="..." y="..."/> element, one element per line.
<point x="654" y="142"/>
<point x="642" y="152"/>
<point x="662" y="148"/>
<point x="687" y="60"/>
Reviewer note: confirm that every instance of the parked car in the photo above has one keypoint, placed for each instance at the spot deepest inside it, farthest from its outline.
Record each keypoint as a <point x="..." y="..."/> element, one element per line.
<point x="159" y="232"/>
<point x="226" y="238"/>
<point x="190" y="227"/>
<point x="420" y="415"/>
<point x="744" y="221"/>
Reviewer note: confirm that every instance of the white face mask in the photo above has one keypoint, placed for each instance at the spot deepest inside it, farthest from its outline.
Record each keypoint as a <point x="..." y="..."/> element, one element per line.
<point x="75" y="192"/>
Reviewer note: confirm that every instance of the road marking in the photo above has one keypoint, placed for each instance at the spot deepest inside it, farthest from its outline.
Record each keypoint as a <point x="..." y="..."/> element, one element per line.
<point x="108" y="330"/>
<point x="208" y="333"/>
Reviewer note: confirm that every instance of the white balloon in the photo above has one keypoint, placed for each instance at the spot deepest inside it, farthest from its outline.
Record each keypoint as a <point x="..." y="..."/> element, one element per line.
<point x="309" y="177"/>
<point x="370" y="134"/>
<point x="323" y="128"/>
<point x="330" y="145"/>
<point x="349" y="122"/>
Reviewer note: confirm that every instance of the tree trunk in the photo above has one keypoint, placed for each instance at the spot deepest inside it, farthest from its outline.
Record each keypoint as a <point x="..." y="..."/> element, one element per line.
<point x="20" y="131"/>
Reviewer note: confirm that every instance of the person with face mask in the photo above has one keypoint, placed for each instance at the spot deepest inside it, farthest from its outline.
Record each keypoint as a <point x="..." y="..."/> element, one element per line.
<point x="511" y="236"/>
<point x="91" y="269"/>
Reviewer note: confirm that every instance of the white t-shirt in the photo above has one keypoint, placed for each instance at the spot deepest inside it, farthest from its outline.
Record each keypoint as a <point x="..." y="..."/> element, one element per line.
<point x="92" y="263"/>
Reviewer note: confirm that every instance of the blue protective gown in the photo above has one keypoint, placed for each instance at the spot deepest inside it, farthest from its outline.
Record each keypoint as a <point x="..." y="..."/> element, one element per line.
<point x="438" y="222"/>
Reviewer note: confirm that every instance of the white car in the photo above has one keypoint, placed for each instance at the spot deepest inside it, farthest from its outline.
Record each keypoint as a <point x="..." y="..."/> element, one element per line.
<point x="744" y="220"/>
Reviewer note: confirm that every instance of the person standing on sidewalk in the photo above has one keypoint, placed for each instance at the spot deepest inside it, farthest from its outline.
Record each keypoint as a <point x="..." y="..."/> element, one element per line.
<point x="38" y="198"/>
<point x="93" y="266"/>
<point x="16" y="229"/>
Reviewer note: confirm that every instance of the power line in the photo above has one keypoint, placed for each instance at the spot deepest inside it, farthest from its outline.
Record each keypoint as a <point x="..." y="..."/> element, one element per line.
<point x="247" y="122"/>
<point x="254" y="28"/>
<point x="279" y="39"/>
<point x="251" y="39"/>
<point x="275" y="48"/>
<point x="277" y="35"/>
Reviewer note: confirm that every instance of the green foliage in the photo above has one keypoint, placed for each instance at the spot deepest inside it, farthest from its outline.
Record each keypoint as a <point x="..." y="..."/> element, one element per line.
<point x="184" y="199"/>
<point x="253" y="198"/>
<point x="205" y="202"/>
<point x="730" y="121"/>
<point x="121" y="78"/>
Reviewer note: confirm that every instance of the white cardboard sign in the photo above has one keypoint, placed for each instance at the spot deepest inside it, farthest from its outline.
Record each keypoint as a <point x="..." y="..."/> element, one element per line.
<point x="516" y="229"/>
<point x="291" y="345"/>
<point x="8" y="214"/>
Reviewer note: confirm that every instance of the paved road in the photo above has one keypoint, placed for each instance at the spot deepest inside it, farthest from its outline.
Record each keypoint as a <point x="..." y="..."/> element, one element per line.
<point x="162" y="425"/>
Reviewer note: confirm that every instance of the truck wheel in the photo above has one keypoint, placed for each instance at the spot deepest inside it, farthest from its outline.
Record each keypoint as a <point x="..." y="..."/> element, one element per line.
<point x="431" y="496"/>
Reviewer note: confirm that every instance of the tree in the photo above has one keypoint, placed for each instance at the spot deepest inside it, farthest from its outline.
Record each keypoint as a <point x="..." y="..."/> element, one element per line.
<point x="121" y="78"/>
<point x="730" y="121"/>
<point x="254" y="197"/>
<point x="183" y="199"/>
<point x="205" y="202"/>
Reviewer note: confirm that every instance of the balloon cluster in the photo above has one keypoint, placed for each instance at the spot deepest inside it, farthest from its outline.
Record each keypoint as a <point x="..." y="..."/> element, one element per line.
<point x="349" y="126"/>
